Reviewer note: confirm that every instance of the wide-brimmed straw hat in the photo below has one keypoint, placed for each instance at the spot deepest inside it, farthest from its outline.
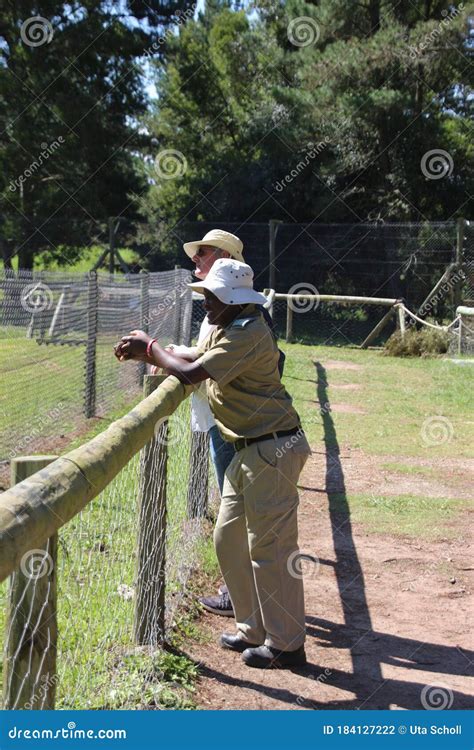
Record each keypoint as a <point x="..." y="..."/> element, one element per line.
<point x="232" y="282"/>
<point x="217" y="238"/>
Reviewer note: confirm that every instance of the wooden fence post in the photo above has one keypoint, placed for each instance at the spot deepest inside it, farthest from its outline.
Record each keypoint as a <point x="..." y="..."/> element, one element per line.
<point x="91" y="344"/>
<point x="144" y="316"/>
<point x="198" y="487"/>
<point x="289" y="321"/>
<point x="401" y="320"/>
<point x="378" y="329"/>
<point x="177" y="306"/>
<point x="461" y="230"/>
<point x="112" y="230"/>
<point x="149" y="627"/>
<point x="29" y="665"/>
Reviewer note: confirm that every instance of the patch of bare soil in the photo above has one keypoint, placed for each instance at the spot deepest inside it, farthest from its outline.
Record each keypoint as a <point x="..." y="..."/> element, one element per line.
<point x="53" y="445"/>
<point x="452" y="478"/>
<point x="336" y="364"/>
<point x="347" y="409"/>
<point x="387" y="617"/>
<point x="346" y="386"/>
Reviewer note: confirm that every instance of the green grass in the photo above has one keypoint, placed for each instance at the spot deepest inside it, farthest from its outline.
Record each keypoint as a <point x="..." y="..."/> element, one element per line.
<point x="398" y="396"/>
<point x="98" y="664"/>
<point x="421" y="471"/>
<point x="401" y="515"/>
<point x="42" y="390"/>
<point x="89" y="256"/>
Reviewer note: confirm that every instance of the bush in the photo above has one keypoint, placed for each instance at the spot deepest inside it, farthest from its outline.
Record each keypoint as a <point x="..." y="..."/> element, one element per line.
<point x="416" y="343"/>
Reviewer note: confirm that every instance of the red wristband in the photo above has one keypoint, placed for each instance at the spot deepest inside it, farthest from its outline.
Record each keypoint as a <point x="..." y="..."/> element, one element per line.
<point x="149" y="345"/>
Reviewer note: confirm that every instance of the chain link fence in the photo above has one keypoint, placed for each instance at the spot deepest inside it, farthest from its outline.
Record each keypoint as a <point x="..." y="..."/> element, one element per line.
<point x="58" y="330"/>
<point x="84" y="618"/>
<point x="402" y="260"/>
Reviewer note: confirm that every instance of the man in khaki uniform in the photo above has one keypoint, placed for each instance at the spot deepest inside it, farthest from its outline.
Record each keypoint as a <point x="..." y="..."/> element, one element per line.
<point x="256" y="534"/>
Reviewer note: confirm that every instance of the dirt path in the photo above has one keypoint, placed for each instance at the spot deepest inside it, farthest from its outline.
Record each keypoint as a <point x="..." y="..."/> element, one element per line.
<point x="387" y="618"/>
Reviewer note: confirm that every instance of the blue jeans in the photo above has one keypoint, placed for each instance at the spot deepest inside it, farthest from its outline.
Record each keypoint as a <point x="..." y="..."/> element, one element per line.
<point x="222" y="453"/>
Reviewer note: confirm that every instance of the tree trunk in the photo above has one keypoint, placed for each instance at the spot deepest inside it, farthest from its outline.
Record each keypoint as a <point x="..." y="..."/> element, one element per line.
<point x="374" y="13"/>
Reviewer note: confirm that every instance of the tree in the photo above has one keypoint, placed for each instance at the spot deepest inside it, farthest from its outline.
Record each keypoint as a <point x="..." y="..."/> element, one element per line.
<point x="71" y="93"/>
<point x="322" y="111"/>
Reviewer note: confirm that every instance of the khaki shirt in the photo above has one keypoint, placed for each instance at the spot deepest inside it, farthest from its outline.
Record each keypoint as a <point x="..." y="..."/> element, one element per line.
<point x="244" y="390"/>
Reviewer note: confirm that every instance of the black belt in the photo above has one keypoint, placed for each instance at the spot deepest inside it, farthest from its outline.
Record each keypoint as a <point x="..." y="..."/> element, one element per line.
<point x="244" y="442"/>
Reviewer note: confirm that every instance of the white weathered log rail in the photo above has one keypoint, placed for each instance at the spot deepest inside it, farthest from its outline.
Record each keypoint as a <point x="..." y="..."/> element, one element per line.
<point x="339" y="298"/>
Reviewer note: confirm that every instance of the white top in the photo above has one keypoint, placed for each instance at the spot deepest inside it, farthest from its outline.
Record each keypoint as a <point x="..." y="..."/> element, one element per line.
<point x="201" y="415"/>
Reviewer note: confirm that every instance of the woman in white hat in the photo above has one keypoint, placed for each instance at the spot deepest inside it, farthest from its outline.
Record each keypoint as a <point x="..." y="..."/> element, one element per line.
<point x="256" y="534"/>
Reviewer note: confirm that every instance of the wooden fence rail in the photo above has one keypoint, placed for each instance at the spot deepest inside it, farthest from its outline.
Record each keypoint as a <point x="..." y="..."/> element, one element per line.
<point x="33" y="510"/>
<point x="337" y="299"/>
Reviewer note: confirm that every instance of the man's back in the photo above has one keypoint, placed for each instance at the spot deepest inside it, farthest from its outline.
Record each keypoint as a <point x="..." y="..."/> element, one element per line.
<point x="245" y="391"/>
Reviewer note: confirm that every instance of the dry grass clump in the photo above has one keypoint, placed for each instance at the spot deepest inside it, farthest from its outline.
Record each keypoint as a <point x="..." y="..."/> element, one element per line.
<point x="425" y="343"/>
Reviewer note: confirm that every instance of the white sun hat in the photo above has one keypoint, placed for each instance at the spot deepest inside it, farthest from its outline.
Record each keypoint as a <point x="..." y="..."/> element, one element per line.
<point x="231" y="282"/>
<point x="217" y="238"/>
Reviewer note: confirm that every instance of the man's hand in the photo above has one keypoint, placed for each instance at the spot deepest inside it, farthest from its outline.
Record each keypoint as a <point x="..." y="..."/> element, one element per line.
<point x="132" y="346"/>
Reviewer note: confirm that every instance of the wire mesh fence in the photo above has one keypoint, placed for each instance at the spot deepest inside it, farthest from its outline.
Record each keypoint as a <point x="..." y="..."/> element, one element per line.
<point x="382" y="259"/>
<point x="399" y="260"/>
<point x="468" y="263"/>
<point x="57" y="334"/>
<point x="121" y="572"/>
<point x="330" y="324"/>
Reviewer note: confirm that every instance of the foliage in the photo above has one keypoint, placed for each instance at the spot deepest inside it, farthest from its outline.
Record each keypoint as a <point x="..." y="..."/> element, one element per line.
<point x="415" y="343"/>
<point x="68" y="114"/>
<point x="380" y="86"/>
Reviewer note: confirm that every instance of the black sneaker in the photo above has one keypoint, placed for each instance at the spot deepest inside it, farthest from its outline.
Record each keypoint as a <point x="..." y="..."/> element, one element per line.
<point x="235" y="643"/>
<point x="265" y="657"/>
<point x="218" y="605"/>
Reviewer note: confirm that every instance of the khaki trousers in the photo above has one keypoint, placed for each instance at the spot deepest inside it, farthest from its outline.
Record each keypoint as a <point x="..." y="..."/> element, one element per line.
<point x="256" y="539"/>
